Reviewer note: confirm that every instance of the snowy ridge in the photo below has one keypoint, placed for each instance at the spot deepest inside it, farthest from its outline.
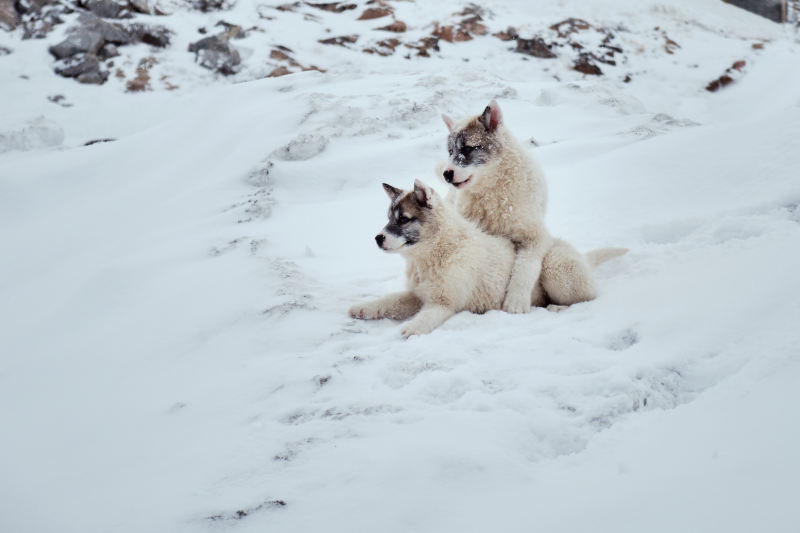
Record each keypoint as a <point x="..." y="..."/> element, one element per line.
<point x="177" y="354"/>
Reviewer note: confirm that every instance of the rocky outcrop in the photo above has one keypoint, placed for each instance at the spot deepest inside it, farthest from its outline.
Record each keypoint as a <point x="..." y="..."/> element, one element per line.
<point x="89" y="37"/>
<point x="727" y="77"/>
<point x="536" y="47"/>
<point x="94" y="40"/>
<point x="158" y="36"/>
<point x="216" y="53"/>
<point x="9" y="18"/>
<point x="83" y="67"/>
<point x="39" y="17"/>
<point x="107" y="8"/>
<point x="212" y="5"/>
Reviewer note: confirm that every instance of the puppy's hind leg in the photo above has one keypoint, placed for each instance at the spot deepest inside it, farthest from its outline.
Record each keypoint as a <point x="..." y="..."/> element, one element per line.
<point x="567" y="276"/>
<point x="538" y="296"/>
<point x="397" y="306"/>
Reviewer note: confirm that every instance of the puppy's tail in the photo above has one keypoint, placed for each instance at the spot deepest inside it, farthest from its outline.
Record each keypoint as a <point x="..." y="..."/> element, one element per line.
<point x="601" y="255"/>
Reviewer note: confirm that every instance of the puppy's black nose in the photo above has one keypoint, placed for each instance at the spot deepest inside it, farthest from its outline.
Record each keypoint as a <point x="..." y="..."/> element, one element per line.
<point x="379" y="238"/>
<point x="448" y="175"/>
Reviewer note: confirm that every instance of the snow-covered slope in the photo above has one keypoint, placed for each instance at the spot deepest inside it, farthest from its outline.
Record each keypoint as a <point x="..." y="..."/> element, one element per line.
<point x="175" y="353"/>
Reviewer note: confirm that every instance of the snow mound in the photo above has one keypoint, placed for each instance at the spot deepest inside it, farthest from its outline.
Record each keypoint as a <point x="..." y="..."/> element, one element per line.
<point x="36" y="134"/>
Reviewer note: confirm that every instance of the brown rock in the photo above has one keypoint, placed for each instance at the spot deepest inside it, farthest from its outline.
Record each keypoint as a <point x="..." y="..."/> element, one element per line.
<point x="758" y="46"/>
<point x="670" y="46"/>
<point x="140" y="83"/>
<point x="443" y="32"/>
<point x="509" y="35"/>
<point x="375" y="13"/>
<point x="288" y="7"/>
<point x="341" y="40"/>
<point x="383" y="48"/>
<point x="726" y="78"/>
<point x="585" y="64"/>
<point x="472" y="9"/>
<point x="719" y="83"/>
<point x="570" y="26"/>
<point x="397" y="26"/>
<point x="473" y="26"/>
<point x="279" y="55"/>
<point x="333" y="7"/>
<point x="280" y="71"/>
<point x="535" y="47"/>
<point x="425" y="44"/>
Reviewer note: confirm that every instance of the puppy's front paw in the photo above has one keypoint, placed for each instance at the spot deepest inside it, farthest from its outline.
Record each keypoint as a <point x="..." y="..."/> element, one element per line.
<point x="516" y="303"/>
<point x="366" y="311"/>
<point x="414" y="328"/>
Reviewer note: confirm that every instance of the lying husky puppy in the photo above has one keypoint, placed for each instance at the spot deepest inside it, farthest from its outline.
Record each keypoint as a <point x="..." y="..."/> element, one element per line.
<point x="452" y="266"/>
<point x="500" y="188"/>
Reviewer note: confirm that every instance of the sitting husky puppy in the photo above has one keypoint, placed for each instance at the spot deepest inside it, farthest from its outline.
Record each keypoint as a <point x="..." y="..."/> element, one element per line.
<point x="452" y="266"/>
<point x="500" y="188"/>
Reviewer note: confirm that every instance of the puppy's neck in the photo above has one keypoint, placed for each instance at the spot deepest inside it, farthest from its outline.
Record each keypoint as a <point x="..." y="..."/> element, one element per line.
<point x="444" y="230"/>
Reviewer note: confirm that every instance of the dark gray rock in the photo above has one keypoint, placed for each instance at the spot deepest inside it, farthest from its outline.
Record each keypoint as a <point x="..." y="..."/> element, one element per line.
<point x="9" y="18"/>
<point x="771" y="9"/>
<point x="78" y="64"/>
<point x="80" y="42"/>
<point x="212" y="5"/>
<point x="153" y="35"/>
<point x="216" y="53"/>
<point x="95" y="77"/>
<point x="84" y="67"/>
<point x="142" y="6"/>
<point x="108" y="51"/>
<point x="232" y="31"/>
<point x="89" y="37"/>
<point x="25" y="7"/>
<point x="37" y="24"/>
<point x="111" y="33"/>
<point x="107" y="8"/>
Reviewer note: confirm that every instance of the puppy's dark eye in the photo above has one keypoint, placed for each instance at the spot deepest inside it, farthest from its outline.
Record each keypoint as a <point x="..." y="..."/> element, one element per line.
<point x="466" y="150"/>
<point x="403" y="220"/>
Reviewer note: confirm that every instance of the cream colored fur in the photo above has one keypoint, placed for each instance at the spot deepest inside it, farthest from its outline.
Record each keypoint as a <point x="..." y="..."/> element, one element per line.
<point x="507" y="197"/>
<point x="454" y="267"/>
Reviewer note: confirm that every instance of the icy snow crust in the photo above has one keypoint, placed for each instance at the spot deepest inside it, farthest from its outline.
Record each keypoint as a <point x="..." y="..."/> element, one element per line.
<point x="176" y="354"/>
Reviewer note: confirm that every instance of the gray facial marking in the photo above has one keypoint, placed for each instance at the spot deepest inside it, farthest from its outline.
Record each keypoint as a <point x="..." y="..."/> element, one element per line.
<point x="471" y="146"/>
<point x="405" y="219"/>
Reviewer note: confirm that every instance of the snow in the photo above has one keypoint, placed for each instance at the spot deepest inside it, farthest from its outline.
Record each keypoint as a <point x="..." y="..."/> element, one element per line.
<point x="175" y="344"/>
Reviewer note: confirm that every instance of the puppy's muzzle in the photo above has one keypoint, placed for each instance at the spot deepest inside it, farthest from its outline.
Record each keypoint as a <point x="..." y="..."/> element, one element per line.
<point x="449" y="175"/>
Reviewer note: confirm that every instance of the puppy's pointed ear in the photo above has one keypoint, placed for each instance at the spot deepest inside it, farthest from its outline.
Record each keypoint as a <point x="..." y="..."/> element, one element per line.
<point x="392" y="191"/>
<point x="449" y="122"/>
<point x="423" y="194"/>
<point x="492" y="117"/>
